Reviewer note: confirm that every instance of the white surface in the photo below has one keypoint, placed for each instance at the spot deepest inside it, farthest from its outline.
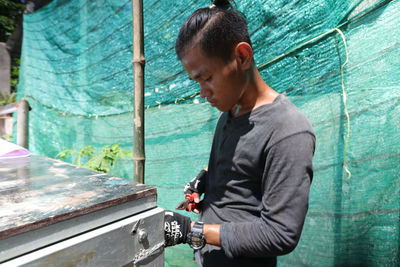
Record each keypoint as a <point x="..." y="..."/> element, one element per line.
<point x="10" y="150"/>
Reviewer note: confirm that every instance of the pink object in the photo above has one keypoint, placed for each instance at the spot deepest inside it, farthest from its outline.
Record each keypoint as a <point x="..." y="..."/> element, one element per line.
<point x="10" y="150"/>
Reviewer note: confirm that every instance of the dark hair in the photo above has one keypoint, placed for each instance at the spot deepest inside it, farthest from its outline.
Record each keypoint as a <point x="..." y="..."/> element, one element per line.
<point x="216" y="28"/>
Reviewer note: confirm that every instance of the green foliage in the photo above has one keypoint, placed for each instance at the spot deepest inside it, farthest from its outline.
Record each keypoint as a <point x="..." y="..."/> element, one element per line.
<point x="6" y="99"/>
<point x="7" y="137"/>
<point x="102" y="161"/>
<point x="7" y="24"/>
<point x="85" y="153"/>
<point x="10" y="13"/>
<point x="14" y="74"/>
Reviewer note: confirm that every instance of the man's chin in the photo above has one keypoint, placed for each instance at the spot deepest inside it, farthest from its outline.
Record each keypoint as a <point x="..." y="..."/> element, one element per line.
<point x="222" y="109"/>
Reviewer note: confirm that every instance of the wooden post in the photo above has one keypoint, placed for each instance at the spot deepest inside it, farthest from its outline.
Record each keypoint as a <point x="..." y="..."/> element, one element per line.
<point x="138" y="63"/>
<point x="23" y="123"/>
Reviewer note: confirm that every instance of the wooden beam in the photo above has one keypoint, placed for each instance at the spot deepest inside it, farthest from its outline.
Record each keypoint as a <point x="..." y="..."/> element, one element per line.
<point x="138" y="63"/>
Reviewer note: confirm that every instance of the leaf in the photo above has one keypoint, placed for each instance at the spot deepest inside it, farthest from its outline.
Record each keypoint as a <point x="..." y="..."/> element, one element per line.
<point x="66" y="153"/>
<point x="87" y="151"/>
<point x="102" y="161"/>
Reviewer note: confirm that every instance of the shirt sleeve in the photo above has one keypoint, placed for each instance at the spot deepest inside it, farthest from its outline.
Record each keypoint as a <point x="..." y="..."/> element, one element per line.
<point x="286" y="184"/>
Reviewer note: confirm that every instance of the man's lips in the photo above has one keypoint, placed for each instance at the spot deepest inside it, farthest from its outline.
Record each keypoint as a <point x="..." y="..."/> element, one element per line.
<point x="212" y="102"/>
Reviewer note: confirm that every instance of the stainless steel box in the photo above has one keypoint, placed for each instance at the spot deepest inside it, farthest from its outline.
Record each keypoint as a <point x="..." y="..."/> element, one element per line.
<point x="55" y="214"/>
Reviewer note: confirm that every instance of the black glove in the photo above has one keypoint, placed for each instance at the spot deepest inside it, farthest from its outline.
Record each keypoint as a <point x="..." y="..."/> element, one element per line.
<point x="176" y="228"/>
<point x="197" y="184"/>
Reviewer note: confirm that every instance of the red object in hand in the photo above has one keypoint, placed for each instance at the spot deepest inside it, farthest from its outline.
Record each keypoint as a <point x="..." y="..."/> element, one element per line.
<point x="191" y="205"/>
<point x="188" y="204"/>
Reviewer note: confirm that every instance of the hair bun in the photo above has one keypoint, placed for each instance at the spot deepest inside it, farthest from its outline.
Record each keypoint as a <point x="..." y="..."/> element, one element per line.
<point x="223" y="4"/>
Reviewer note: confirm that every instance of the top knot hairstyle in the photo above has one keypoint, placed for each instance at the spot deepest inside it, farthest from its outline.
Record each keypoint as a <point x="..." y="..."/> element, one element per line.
<point x="217" y="29"/>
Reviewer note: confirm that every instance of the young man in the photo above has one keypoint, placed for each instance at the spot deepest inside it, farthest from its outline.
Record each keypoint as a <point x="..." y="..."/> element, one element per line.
<point x="255" y="189"/>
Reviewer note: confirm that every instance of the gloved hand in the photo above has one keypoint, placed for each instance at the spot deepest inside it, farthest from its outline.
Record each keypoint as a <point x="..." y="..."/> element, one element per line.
<point x="196" y="188"/>
<point x="176" y="228"/>
<point x="196" y="185"/>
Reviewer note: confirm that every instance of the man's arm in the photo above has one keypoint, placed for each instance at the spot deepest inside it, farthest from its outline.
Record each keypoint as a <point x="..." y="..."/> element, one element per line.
<point x="286" y="187"/>
<point x="286" y="184"/>
<point x="284" y="215"/>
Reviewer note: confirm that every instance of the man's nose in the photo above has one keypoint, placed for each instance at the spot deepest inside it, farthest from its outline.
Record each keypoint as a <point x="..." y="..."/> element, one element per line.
<point x="204" y="91"/>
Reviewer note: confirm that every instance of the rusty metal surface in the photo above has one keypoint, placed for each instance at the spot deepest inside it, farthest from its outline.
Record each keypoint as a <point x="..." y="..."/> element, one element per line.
<point x="36" y="192"/>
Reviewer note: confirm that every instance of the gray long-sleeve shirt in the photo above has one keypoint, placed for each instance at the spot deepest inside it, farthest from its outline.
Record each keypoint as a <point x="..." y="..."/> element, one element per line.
<point x="257" y="186"/>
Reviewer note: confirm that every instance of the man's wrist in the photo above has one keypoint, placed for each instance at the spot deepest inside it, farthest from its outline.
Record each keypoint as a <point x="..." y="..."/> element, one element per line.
<point x="211" y="233"/>
<point x="196" y="238"/>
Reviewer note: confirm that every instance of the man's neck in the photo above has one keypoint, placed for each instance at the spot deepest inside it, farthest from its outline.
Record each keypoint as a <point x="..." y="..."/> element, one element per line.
<point x="256" y="94"/>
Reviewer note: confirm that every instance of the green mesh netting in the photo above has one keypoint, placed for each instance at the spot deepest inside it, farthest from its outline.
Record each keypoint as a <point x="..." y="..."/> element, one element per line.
<point x="76" y="74"/>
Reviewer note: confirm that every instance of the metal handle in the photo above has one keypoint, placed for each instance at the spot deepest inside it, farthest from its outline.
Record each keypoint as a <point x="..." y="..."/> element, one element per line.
<point x="147" y="253"/>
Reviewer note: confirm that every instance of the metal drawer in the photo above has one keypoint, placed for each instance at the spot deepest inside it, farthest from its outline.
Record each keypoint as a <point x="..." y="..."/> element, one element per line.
<point x="134" y="241"/>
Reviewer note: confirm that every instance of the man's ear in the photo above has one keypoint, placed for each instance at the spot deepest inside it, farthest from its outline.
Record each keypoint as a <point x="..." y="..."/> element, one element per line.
<point x="244" y="55"/>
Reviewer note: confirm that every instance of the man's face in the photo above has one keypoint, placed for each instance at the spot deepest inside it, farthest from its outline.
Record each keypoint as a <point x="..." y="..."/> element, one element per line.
<point x="221" y="83"/>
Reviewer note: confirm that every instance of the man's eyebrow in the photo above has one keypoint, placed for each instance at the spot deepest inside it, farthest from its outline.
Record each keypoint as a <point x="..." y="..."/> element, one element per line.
<point x="196" y="75"/>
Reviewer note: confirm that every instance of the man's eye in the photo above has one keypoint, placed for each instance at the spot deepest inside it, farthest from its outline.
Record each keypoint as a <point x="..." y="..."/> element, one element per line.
<point x="208" y="78"/>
